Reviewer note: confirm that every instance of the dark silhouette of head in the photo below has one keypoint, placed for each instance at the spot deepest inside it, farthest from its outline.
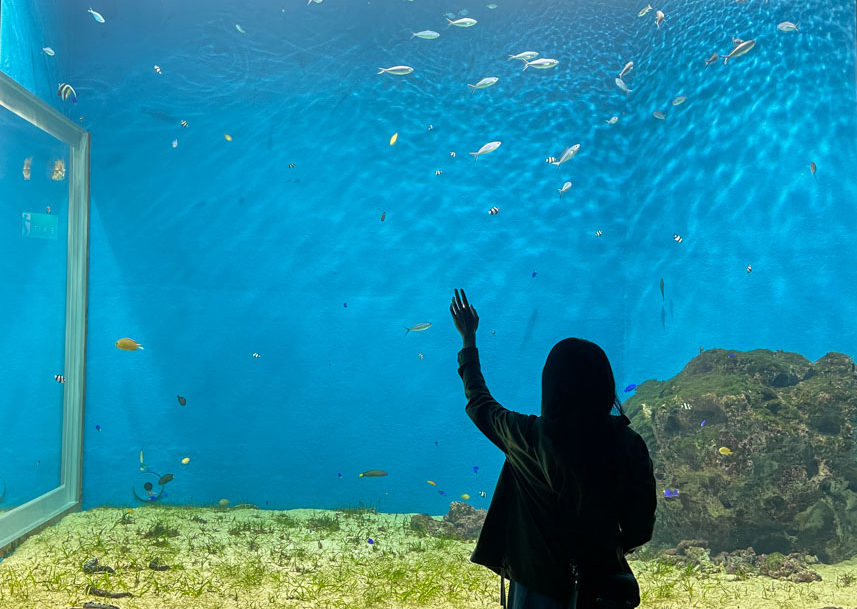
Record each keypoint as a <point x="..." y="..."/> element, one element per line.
<point x="578" y="388"/>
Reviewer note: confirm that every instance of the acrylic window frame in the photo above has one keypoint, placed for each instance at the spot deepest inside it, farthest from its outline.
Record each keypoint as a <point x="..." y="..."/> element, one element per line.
<point x="42" y="511"/>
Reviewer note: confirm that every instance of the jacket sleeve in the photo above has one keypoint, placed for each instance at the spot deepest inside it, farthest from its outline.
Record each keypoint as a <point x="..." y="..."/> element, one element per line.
<point x="637" y="511"/>
<point x="506" y="429"/>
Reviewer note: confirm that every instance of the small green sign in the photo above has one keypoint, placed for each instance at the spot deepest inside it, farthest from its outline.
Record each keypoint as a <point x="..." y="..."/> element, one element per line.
<point x="39" y="226"/>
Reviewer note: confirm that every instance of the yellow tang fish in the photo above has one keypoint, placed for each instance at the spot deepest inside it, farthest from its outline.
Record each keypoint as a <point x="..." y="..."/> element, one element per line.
<point x="394" y="138"/>
<point x="128" y="344"/>
<point x="432" y="482"/>
<point x="186" y="460"/>
<point x="724" y="451"/>
<point x="465" y="496"/>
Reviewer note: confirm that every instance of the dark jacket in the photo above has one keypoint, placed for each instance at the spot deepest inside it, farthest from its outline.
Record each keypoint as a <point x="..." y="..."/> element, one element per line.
<point x="527" y="534"/>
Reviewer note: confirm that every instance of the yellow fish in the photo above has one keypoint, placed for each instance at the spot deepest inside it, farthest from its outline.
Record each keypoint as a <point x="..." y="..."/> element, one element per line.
<point x="724" y="451"/>
<point x="465" y="496"/>
<point x="130" y="510"/>
<point x="227" y="137"/>
<point x="223" y="502"/>
<point x="394" y="138"/>
<point x="128" y="344"/>
<point x="432" y="482"/>
<point x="186" y="460"/>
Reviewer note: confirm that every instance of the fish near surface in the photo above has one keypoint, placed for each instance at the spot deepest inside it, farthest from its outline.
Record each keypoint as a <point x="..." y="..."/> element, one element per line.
<point x="425" y="325"/>
<point x="489" y="147"/>
<point x="373" y="473"/>
<point x="128" y="344"/>
<point x="739" y="50"/>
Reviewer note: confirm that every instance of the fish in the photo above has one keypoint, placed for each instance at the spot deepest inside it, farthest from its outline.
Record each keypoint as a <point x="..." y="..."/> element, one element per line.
<point x="813" y="168"/>
<point x="420" y="355"/>
<point x="182" y="401"/>
<point x="679" y="100"/>
<point x="98" y="428"/>
<point x="628" y="67"/>
<point x="432" y="482"/>
<point x="736" y="41"/>
<point x="158" y="69"/>
<point x="788" y="26"/>
<point x="291" y="165"/>
<point x="95" y="15"/>
<point x="565" y="188"/>
<point x="28" y="162"/>
<point x="442" y="493"/>
<point x="59" y="378"/>
<point x="658" y="114"/>
<point x="183" y="123"/>
<point x="542" y="64"/>
<point x="394" y="138"/>
<point x="186" y="460"/>
<point x="128" y="344"/>
<point x="438" y="172"/>
<point x="749" y="267"/>
<point x="463" y="22"/>
<point x="566" y="155"/>
<point x="397" y="70"/>
<point x="373" y="473"/>
<point x="525" y="56"/>
<point x="662" y="289"/>
<point x="48" y="209"/>
<point x="475" y="469"/>
<point x="703" y="423"/>
<point x="494" y="211"/>
<point x="483" y="494"/>
<point x="383" y="215"/>
<point x="175" y="143"/>
<point x="423" y="325"/>
<point x="59" y="171"/>
<point x="659" y="18"/>
<point x="621" y="84"/>
<point x="489" y="147"/>
<point x="48" y="51"/>
<point x="731" y="355"/>
<point x="319" y="545"/>
<point x="535" y="273"/>
<point x="485" y="82"/>
<point x="431" y="127"/>
<point x="723" y="450"/>
<point x="670" y="492"/>
<point x="240" y="29"/>
<point x="65" y="91"/>
<point x="739" y="50"/>
<point x="677" y="238"/>
<point x="643" y="12"/>
<point x="612" y="120"/>
<point x="369" y="540"/>
<point x="714" y="57"/>
<point x="256" y="355"/>
<point x="165" y="478"/>
<point x="223" y="502"/>
<point x="227" y="137"/>
<point x="452" y="154"/>
<point x="630" y="388"/>
<point x="491" y="6"/>
<point x="598" y="233"/>
<point x="550" y="159"/>
<point x="425" y="34"/>
<point x="465" y="496"/>
<point x="686" y="406"/>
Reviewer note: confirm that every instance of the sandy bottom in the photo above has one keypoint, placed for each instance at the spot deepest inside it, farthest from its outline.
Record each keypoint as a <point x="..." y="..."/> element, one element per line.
<point x="248" y="558"/>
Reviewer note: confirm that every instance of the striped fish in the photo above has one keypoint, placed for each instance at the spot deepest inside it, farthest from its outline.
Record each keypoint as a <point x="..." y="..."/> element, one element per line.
<point x="65" y="91"/>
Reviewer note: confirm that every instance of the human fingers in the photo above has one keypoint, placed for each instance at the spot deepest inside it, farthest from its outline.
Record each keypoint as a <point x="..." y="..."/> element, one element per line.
<point x="457" y="299"/>
<point x="464" y="298"/>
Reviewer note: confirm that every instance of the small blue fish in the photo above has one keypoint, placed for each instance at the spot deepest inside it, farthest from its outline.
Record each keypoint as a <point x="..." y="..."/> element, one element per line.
<point x="370" y="540"/>
<point x="98" y="428"/>
<point x="535" y="273"/>
<point x="475" y="469"/>
<point x="435" y="443"/>
<point x="670" y="492"/>
<point x="442" y="493"/>
<point x="339" y="474"/>
<point x="345" y="304"/>
<point x="630" y="388"/>
<point x="731" y="355"/>
<point x="703" y="423"/>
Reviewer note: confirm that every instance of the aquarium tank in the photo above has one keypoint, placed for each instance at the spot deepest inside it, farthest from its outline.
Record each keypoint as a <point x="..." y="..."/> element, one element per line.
<point x="231" y="232"/>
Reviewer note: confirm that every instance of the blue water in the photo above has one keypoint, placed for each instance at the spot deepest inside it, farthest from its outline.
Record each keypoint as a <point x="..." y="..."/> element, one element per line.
<point x="210" y="251"/>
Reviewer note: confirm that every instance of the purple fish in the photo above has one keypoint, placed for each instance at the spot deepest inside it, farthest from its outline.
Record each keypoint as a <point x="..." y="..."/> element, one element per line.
<point x="475" y="469"/>
<point x="442" y="493"/>
<point x="535" y="273"/>
<point x="731" y="355"/>
<point x="371" y="540"/>
<point x="670" y="492"/>
<point x="98" y="428"/>
<point x="630" y="388"/>
<point x="703" y="423"/>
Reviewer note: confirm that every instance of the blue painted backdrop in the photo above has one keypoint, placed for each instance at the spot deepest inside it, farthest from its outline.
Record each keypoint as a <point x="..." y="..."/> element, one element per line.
<point x="212" y="250"/>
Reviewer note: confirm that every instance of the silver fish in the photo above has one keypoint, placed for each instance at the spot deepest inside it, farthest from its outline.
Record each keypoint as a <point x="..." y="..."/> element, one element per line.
<point x="740" y="50"/>
<point x="659" y="18"/>
<point x="489" y="147"/>
<point x="621" y="84"/>
<point x="463" y="22"/>
<point x="425" y="34"/>
<point x="714" y="57"/>
<point x="567" y="155"/>
<point x="542" y="64"/>
<point x="564" y="188"/>
<point x="643" y="12"/>
<point x="485" y="82"/>
<point x="425" y="325"/>
<point x="788" y="26"/>
<point x="612" y="120"/>
<point x="525" y="56"/>
<point x="398" y="70"/>
<point x="628" y="67"/>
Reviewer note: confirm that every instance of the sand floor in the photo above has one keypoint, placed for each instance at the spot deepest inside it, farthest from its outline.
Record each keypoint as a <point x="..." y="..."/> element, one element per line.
<point x="244" y="558"/>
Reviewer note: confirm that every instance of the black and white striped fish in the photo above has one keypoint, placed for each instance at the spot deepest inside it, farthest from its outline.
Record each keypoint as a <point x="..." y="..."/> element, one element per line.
<point x="65" y="91"/>
<point x="59" y="378"/>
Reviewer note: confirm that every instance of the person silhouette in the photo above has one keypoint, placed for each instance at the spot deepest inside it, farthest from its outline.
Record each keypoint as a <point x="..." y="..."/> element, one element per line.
<point x="576" y="493"/>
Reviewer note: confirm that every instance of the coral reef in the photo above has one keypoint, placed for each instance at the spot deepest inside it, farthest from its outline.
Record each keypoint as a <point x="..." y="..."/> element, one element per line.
<point x="760" y="446"/>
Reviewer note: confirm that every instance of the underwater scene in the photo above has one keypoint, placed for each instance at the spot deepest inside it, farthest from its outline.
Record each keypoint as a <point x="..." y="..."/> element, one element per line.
<point x="283" y="196"/>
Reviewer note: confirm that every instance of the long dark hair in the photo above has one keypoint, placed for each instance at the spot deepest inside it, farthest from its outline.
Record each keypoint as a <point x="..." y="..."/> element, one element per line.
<point x="578" y="397"/>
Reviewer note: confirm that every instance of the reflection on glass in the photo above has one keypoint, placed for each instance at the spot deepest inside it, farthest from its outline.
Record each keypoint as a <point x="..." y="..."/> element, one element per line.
<point x="33" y="208"/>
